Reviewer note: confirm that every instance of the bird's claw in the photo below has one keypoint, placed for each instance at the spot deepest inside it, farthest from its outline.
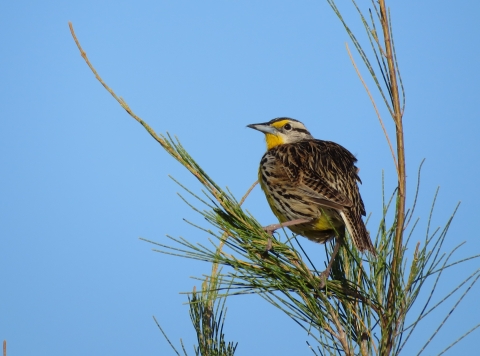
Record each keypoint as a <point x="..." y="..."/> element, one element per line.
<point x="323" y="279"/>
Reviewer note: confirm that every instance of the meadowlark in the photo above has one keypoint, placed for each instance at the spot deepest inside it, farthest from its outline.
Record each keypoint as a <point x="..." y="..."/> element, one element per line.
<point x="311" y="185"/>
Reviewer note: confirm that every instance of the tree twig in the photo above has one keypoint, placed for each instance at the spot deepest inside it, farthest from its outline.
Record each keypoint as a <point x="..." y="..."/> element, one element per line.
<point x="400" y="212"/>
<point x="374" y="106"/>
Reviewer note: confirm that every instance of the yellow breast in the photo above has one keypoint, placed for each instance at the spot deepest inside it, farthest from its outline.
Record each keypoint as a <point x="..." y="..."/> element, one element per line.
<point x="324" y="222"/>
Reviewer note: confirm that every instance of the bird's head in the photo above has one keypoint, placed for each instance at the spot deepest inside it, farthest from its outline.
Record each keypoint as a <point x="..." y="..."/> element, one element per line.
<point x="282" y="130"/>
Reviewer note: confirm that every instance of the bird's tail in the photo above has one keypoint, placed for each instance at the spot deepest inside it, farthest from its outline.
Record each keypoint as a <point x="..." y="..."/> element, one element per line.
<point x="357" y="230"/>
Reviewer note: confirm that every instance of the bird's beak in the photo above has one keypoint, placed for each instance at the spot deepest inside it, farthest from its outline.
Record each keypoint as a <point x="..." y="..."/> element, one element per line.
<point x="265" y="128"/>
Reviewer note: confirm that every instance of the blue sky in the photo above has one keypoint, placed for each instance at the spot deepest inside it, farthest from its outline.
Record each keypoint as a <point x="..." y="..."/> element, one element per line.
<point x="81" y="181"/>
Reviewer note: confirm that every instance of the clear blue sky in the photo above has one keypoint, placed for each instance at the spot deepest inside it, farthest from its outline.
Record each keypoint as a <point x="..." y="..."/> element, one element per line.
<point x="80" y="181"/>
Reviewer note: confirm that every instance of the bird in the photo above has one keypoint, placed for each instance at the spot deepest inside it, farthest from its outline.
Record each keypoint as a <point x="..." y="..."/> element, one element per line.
<point x="311" y="186"/>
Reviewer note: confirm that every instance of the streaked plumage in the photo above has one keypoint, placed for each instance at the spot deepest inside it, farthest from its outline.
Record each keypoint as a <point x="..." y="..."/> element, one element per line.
<point x="306" y="178"/>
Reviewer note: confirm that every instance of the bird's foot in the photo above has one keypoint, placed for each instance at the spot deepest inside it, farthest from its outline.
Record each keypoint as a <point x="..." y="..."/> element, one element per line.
<point x="324" y="275"/>
<point x="323" y="278"/>
<point x="270" y="229"/>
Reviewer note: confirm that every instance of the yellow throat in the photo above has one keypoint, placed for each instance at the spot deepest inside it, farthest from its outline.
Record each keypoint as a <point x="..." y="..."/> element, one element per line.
<point x="273" y="140"/>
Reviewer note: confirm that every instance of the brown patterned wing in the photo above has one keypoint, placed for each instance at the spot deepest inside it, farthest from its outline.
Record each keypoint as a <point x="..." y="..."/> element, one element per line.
<point x="320" y="170"/>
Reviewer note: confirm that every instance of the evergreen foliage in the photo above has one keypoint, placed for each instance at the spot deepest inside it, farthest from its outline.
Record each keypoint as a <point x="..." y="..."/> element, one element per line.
<point x="362" y="309"/>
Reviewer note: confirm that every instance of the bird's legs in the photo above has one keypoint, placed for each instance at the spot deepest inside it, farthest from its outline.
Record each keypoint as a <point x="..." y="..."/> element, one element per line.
<point x="270" y="229"/>
<point x="324" y="275"/>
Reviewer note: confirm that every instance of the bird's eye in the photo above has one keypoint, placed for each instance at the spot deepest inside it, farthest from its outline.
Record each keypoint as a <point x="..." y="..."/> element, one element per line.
<point x="287" y="127"/>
